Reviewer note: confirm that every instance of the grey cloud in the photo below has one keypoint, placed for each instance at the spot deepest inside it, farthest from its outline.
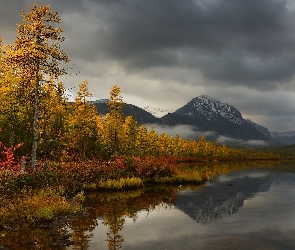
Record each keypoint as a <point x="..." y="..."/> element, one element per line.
<point x="233" y="41"/>
<point x="10" y="19"/>
<point x="245" y="42"/>
<point x="232" y="141"/>
<point x="184" y="131"/>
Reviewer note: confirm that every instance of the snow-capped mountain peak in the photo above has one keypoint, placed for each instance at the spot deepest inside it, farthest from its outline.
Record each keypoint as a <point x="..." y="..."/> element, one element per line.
<point x="204" y="105"/>
<point x="157" y="112"/>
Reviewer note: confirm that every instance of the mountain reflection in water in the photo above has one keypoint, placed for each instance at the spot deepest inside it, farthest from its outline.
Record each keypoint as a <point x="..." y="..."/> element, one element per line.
<point x="222" y="198"/>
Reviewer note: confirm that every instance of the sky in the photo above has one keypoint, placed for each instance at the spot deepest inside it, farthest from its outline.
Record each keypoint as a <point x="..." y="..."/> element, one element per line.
<point x="163" y="53"/>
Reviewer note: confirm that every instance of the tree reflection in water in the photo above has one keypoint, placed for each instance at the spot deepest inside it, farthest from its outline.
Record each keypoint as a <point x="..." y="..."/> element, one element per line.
<point x="115" y="221"/>
<point x="114" y="208"/>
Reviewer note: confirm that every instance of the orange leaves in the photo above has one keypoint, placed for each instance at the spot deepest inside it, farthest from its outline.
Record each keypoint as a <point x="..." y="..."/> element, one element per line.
<point x="39" y="15"/>
<point x="37" y="43"/>
<point x="35" y="57"/>
<point x="82" y="95"/>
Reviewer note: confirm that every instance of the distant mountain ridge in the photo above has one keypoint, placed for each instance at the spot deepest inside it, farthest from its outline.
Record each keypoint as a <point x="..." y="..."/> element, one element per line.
<point x="284" y="137"/>
<point x="204" y="114"/>
<point x="139" y="114"/>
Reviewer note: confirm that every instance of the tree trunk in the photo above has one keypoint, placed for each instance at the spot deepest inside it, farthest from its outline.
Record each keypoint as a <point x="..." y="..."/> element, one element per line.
<point x="36" y="123"/>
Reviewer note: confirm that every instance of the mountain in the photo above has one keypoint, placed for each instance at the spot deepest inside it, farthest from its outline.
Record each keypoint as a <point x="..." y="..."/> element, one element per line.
<point x="207" y="114"/>
<point x="101" y="101"/>
<point x="284" y="137"/>
<point x="261" y="129"/>
<point x="139" y="114"/>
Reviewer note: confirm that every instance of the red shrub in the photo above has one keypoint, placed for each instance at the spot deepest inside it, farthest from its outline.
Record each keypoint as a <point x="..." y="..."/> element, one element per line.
<point x="151" y="166"/>
<point x="8" y="164"/>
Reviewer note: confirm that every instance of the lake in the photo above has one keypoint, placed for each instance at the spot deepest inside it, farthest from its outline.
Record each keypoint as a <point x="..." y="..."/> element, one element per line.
<point x="248" y="209"/>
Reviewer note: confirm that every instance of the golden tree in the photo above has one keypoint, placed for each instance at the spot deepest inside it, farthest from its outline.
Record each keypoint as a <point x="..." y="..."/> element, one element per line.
<point x="54" y="114"/>
<point x="83" y="123"/>
<point x="152" y="142"/>
<point x="129" y="131"/>
<point x="141" y="140"/>
<point x="114" y="119"/>
<point x="36" y="57"/>
<point x="14" y="117"/>
<point x="116" y="103"/>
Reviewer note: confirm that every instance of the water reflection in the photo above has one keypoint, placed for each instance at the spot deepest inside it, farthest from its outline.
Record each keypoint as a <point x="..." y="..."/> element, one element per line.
<point x="230" y="211"/>
<point x="111" y="210"/>
<point x="223" y="198"/>
<point x="108" y="210"/>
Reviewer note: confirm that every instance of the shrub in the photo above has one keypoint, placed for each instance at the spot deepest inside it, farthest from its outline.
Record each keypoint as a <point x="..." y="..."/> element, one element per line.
<point x="9" y="166"/>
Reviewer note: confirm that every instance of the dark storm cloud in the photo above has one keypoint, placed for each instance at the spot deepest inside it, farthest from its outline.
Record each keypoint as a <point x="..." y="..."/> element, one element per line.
<point x="245" y="41"/>
<point x="9" y="17"/>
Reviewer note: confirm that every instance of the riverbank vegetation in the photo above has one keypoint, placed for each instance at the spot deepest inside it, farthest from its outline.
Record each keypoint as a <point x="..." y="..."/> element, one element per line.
<point x="52" y="151"/>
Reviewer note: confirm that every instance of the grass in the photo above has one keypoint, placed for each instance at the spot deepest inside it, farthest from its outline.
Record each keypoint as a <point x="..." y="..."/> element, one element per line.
<point x="33" y="206"/>
<point x="183" y="176"/>
<point x="121" y="183"/>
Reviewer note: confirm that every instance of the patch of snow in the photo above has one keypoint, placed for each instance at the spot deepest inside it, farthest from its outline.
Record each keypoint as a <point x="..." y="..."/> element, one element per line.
<point x="283" y="134"/>
<point x="101" y="101"/>
<point x="157" y="112"/>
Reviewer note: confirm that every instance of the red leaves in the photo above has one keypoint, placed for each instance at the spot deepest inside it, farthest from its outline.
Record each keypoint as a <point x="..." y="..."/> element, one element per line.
<point x="151" y="166"/>
<point x="8" y="164"/>
<point x="95" y="171"/>
<point x="119" y="162"/>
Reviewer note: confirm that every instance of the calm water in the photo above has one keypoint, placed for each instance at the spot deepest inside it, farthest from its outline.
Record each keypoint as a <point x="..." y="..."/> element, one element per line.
<point x="250" y="209"/>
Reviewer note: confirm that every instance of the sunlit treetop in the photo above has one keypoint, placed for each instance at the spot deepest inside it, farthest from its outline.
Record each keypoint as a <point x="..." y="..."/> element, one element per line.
<point x="116" y="100"/>
<point x="83" y="94"/>
<point x="36" y="48"/>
